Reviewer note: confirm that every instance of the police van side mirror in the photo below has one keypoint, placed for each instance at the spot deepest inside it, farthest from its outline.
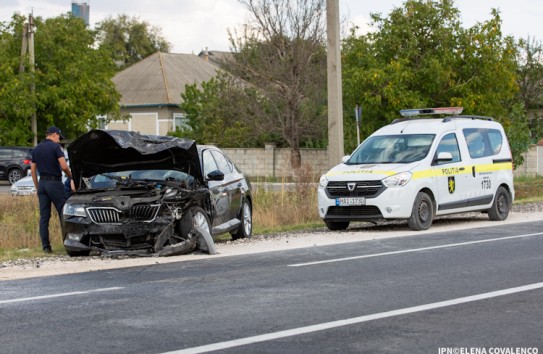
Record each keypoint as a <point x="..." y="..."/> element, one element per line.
<point x="345" y="158"/>
<point x="444" y="156"/>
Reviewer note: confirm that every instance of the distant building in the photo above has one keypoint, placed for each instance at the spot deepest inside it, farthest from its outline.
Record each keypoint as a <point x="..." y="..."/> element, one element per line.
<point x="151" y="91"/>
<point x="81" y="10"/>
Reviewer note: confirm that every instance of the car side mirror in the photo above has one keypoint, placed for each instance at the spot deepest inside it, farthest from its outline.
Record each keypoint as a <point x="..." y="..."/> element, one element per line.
<point x="444" y="156"/>
<point x="215" y="175"/>
<point x="345" y="158"/>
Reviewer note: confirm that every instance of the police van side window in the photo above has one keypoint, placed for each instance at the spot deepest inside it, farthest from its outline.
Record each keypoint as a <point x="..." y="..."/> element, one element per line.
<point x="496" y="140"/>
<point x="449" y="144"/>
<point x="483" y="142"/>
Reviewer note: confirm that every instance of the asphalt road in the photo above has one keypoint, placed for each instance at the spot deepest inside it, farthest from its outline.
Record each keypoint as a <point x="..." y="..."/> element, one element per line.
<point x="458" y="292"/>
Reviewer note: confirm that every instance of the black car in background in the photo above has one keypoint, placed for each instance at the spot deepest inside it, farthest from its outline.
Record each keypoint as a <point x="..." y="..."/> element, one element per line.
<point x="14" y="162"/>
<point x="142" y="194"/>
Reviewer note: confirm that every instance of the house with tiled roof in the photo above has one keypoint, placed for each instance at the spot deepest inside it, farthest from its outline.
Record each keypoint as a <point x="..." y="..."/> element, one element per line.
<point x="151" y="91"/>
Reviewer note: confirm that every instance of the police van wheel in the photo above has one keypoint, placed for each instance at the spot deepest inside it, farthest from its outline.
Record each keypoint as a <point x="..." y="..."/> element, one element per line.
<point x="500" y="207"/>
<point x="422" y="214"/>
<point x="336" y="225"/>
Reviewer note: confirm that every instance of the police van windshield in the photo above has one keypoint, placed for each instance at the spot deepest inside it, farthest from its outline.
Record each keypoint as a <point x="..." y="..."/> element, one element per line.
<point x="403" y="148"/>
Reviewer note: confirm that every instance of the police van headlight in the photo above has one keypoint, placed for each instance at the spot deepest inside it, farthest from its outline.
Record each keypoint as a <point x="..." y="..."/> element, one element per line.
<point x="323" y="181"/>
<point x="398" y="180"/>
<point x="74" y="210"/>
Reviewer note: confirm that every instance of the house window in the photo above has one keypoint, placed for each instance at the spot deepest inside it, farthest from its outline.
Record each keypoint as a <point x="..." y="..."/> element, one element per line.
<point x="102" y="122"/>
<point x="181" y="122"/>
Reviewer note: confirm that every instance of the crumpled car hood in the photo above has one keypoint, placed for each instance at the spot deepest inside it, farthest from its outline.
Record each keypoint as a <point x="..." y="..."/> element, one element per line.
<point x="101" y="151"/>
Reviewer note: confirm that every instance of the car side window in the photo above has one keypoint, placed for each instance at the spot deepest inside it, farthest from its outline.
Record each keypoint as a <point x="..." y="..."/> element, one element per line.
<point x="19" y="154"/>
<point x="5" y="154"/>
<point x="483" y="142"/>
<point x="449" y="144"/>
<point x="209" y="163"/>
<point x="496" y="140"/>
<point x="222" y="163"/>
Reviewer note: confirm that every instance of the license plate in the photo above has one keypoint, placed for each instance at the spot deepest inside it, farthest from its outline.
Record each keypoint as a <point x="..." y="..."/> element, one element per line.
<point x="350" y="201"/>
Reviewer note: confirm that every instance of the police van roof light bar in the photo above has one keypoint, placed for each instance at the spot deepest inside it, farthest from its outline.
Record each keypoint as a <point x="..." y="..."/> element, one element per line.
<point x="421" y="111"/>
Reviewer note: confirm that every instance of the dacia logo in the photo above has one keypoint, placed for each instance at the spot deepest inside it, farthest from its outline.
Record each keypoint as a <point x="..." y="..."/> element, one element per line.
<point x="351" y="186"/>
<point x="452" y="184"/>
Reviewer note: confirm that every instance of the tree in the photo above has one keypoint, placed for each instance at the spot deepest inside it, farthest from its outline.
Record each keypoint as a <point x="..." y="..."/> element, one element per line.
<point x="281" y="54"/>
<point x="530" y="81"/>
<point x="72" y="80"/>
<point x="129" y="40"/>
<point x="420" y="56"/>
<point x="213" y="111"/>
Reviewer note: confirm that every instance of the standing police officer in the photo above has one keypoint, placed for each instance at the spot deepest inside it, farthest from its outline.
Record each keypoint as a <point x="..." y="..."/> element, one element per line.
<point x="48" y="159"/>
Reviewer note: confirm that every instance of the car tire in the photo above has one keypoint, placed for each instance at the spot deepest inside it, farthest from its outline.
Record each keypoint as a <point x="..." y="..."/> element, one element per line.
<point x="422" y="214"/>
<point x="192" y="218"/>
<point x="337" y="225"/>
<point x="500" y="206"/>
<point x="245" y="230"/>
<point x="14" y="175"/>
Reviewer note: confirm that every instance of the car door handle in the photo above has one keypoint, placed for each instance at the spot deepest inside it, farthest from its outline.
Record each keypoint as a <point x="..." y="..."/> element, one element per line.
<point x="462" y="168"/>
<point x="473" y="171"/>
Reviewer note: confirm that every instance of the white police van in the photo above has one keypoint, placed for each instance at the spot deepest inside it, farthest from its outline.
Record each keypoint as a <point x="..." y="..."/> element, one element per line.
<point x="417" y="168"/>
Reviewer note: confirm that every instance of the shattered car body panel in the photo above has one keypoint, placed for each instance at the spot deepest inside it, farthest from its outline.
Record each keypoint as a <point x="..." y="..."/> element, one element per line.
<point x="140" y="194"/>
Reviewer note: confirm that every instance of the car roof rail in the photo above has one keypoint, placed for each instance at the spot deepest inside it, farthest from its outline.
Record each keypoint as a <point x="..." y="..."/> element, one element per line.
<point x="448" y="119"/>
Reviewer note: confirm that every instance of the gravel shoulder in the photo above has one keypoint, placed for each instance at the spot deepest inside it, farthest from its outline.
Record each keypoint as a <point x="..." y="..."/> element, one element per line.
<point x="47" y="266"/>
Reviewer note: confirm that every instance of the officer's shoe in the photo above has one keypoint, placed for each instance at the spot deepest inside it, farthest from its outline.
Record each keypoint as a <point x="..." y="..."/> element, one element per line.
<point x="47" y="250"/>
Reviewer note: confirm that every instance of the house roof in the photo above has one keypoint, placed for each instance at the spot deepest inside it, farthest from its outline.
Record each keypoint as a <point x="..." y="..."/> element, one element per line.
<point x="160" y="79"/>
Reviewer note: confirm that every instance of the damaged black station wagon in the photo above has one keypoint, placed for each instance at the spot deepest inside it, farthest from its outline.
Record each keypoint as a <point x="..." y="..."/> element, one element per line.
<point x="147" y="194"/>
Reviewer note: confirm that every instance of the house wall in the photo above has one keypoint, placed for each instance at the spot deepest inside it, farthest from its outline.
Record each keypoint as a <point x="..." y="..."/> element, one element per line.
<point x="146" y="120"/>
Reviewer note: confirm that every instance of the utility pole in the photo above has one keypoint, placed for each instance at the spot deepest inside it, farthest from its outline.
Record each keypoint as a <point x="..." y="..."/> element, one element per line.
<point x="335" y="96"/>
<point x="27" y="48"/>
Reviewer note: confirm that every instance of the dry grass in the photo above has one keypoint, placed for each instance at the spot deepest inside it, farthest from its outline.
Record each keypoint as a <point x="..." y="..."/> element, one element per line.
<point x="19" y="219"/>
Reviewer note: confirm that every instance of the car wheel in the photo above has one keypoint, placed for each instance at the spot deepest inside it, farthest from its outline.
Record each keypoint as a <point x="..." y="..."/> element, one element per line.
<point x="500" y="207"/>
<point x="245" y="230"/>
<point x="422" y="214"/>
<point x="337" y="225"/>
<point x="14" y="175"/>
<point x="194" y="217"/>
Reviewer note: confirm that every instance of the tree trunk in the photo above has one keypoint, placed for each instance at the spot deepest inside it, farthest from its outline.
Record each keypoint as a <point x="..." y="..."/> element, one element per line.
<point x="295" y="158"/>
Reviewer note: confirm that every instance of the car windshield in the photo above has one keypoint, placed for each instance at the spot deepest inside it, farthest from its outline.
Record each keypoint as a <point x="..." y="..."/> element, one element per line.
<point x="404" y="148"/>
<point x="134" y="177"/>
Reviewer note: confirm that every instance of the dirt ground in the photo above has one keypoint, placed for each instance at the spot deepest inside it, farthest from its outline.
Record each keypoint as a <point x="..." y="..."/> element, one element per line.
<point x="47" y="266"/>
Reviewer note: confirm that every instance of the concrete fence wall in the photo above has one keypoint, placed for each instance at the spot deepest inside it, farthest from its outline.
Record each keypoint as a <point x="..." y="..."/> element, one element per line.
<point x="274" y="162"/>
<point x="533" y="162"/>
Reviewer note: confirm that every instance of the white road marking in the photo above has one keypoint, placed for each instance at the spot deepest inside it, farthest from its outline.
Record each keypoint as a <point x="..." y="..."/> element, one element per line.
<point x="413" y="250"/>
<point x="58" y="295"/>
<point x="354" y="320"/>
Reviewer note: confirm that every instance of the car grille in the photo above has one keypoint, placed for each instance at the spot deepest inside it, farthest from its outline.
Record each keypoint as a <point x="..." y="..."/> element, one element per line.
<point x="111" y="215"/>
<point x="354" y="211"/>
<point x="361" y="189"/>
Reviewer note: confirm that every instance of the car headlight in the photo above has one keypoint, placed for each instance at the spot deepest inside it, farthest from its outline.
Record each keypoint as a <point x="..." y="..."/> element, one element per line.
<point x="74" y="210"/>
<point x="323" y="181"/>
<point x="398" y="180"/>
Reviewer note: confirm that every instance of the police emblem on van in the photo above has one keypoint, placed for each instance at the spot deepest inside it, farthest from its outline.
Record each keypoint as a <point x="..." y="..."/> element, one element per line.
<point x="452" y="185"/>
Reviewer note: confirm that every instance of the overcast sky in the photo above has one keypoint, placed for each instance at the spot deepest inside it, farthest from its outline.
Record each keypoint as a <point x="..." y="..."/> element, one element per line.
<point x="192" y="25"/>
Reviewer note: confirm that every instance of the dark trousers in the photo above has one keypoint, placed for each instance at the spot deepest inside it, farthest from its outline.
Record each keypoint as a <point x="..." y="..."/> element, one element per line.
<point x="49" y="192"/>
